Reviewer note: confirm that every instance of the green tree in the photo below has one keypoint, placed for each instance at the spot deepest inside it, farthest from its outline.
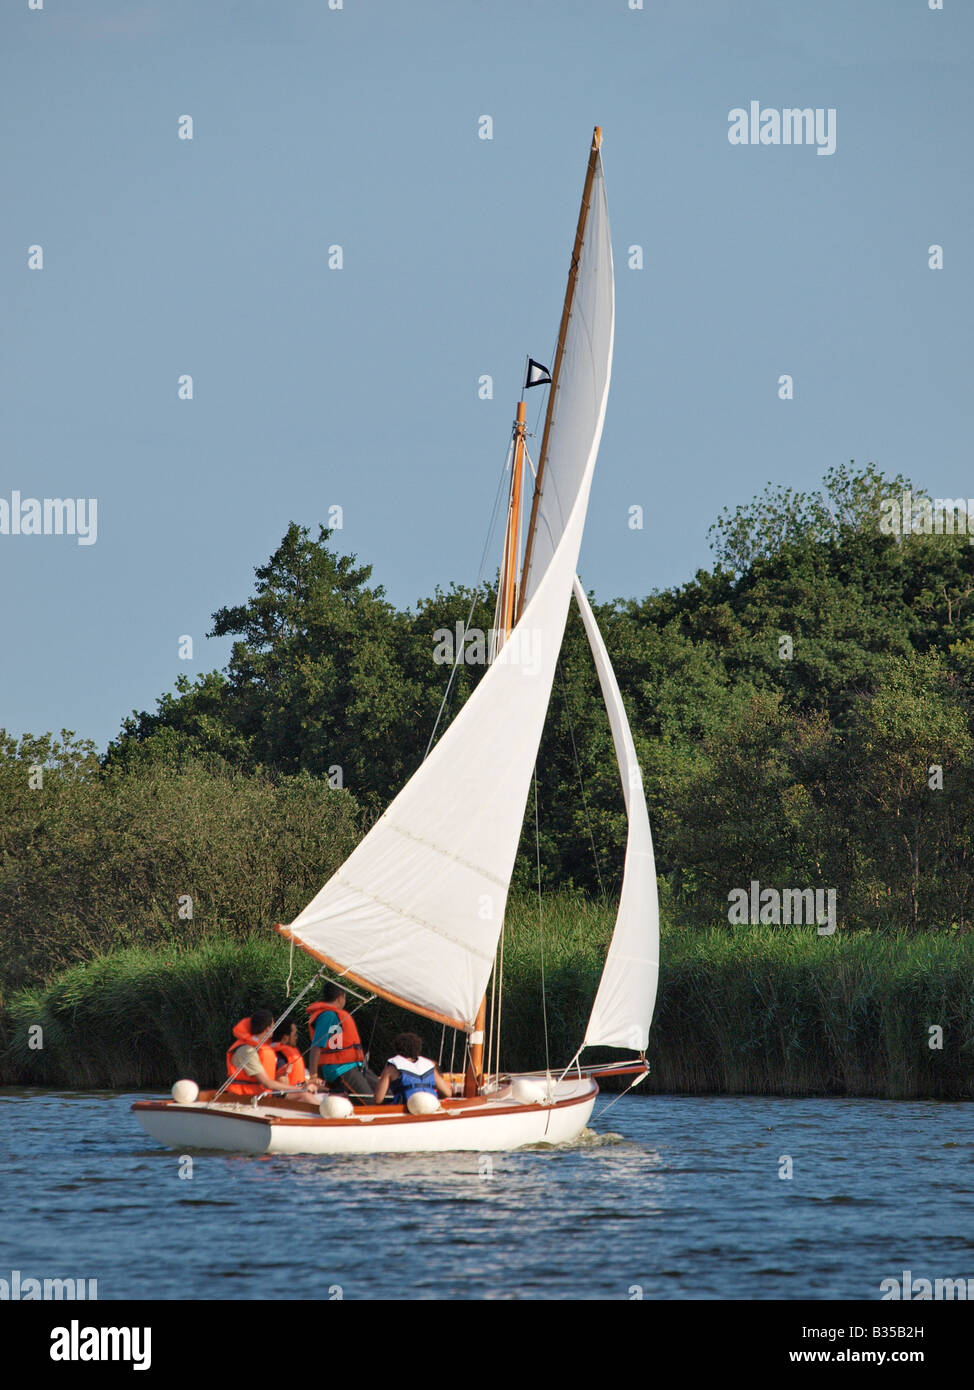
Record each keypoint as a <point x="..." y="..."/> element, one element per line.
<point x="325" y="676"/>
<point x="901" y="731"/>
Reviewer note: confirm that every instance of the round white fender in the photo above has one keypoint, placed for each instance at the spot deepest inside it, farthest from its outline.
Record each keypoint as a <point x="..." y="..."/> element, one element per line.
<point x="422" y="1103"/>
<point x="185" y="1092"/>
<point x="336" y="1108"/>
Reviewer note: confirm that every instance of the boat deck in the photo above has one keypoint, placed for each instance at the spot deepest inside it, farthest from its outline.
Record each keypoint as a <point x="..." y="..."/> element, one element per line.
<point x="283" y="1110"/>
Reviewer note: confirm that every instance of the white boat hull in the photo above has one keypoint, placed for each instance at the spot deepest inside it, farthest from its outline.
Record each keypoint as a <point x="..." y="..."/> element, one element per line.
<point x="481" y="1124"/>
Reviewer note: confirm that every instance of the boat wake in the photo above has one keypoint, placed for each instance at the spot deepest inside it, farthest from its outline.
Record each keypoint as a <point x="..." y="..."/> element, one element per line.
<point x="588" y="1139"/>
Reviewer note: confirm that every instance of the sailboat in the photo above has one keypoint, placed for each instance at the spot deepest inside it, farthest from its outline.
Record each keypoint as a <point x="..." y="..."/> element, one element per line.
<point x="415" y="913"/>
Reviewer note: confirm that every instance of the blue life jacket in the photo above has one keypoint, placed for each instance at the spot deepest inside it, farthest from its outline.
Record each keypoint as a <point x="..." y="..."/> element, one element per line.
<point x="414" y="1076"/>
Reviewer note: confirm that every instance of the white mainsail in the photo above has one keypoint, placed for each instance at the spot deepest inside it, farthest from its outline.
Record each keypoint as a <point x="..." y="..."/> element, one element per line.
<point x="627" y="991"/>
<point x="580" y="389"/>
<point x="416" y="910"/>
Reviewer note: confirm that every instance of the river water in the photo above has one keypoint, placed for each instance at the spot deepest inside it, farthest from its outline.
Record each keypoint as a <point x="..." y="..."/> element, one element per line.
<point x="666" y="1197"/>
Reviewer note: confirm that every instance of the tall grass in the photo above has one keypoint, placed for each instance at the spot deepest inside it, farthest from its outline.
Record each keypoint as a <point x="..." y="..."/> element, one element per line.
<point x="744" y="1010"/>
<point x="140" y="1017"/>
<point x="785" y="1011"/>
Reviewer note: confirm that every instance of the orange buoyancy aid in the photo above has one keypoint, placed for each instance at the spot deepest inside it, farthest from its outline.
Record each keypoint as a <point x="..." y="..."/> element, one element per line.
<point x="289" y="1064"/>
<point x="242" y="1085"/>
<point x="344" y="1046"/>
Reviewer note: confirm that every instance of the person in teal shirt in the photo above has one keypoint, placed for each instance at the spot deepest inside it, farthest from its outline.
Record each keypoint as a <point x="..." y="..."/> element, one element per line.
<point x="337" y="1047"/>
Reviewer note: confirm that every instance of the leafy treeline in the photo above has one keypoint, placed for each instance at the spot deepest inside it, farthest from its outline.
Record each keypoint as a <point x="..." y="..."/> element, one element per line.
<point x="788" y="707"/>
<point x="791" y="708"/>
<point x="166" y="849"/>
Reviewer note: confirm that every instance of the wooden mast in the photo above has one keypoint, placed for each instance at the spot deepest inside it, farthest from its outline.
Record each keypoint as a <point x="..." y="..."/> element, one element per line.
<point x="507" y="592"/>
<point x="566" y="313"/>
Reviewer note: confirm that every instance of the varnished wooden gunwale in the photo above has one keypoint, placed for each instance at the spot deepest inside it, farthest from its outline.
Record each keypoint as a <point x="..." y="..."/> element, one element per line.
<point x="378" y="1112"/>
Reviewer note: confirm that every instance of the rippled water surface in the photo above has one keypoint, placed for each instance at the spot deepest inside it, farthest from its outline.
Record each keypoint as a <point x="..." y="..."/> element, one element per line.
<point x="670" y="1196"/>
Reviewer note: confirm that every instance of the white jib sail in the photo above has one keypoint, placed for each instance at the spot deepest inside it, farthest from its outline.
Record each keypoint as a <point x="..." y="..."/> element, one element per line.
<point x="416" y="909"/>
<point x="624" y="1003"/>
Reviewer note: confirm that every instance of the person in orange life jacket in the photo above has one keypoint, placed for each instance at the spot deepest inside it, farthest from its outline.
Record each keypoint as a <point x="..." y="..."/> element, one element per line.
<point x="335" y="1043"/>
<point x="290" y="1064"/>
<point x="408" y="1071"/>
<point x="252" y="1063"/>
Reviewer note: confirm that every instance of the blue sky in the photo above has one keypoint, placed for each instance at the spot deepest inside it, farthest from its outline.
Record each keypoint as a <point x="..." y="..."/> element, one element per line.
<point x="358" y="387"/>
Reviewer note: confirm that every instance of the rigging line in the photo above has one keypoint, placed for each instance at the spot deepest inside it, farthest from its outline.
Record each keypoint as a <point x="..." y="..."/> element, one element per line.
<point x="458" y="656"/>
<point x="542" y="403"/>
<point x="641" y="1077"/>
<point x="500" y="1007"/>
<point x="290" y="971"/>
<point x="490" y="1025"/>
<point x="541" y="406"/>
<point x="488" y="1050"/>
<point x="439" y="1062"/>
<point x="274" y="1026"/>
<point x="546" y="390"/>
<point x="348" y="989"/>
<point x="571" y="1064"/>
<point x="544" y="1001"/>
<point x="375" y="1020"/>
<point x="457" y="660"/>
<point x="581" y="783"/>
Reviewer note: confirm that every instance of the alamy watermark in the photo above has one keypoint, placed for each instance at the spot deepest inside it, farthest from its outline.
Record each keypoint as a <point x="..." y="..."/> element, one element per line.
<point x="77" y="1343"/>
<point x="783" y="906"/>
<point x="792" y="125"/>
<point x="907" y="515"/>
<point x="23" y="1289"/>
<point x="472" y="646"/>
<point x="50" y="516"/>
<point x="922" y="1290"/>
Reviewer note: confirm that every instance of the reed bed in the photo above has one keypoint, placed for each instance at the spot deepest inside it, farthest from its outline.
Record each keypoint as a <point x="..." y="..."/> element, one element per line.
<point x="758" y="1010"/>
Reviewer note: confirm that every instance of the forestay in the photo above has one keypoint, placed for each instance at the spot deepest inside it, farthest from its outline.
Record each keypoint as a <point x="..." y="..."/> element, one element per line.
<point x="624" y="1003"/>
<point x="415" y="911"/>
